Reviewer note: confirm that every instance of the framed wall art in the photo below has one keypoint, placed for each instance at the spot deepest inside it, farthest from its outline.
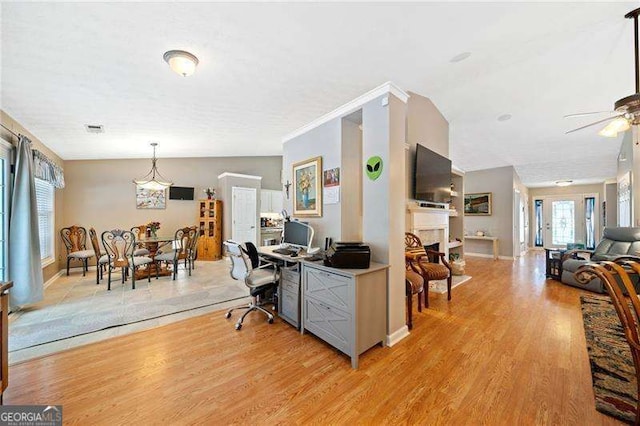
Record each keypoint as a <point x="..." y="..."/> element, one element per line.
<point x="478" y="204"/>
<point x="150" y="198"/>
<point x="307" y="187"/>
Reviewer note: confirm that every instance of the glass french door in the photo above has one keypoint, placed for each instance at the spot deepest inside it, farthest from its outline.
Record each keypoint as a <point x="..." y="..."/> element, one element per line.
<point x="6" y="151"/>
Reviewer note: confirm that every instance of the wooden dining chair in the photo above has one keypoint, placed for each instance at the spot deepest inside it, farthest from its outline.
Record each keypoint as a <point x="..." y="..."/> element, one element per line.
<point x="101" y="256"/>
<point x="613" y="276"/>
<point x="192" y="254"/>
<point x="414" y="285"/>
<point x="183" y="241"/>
<point x="140" y="232"/>
<point x="119" y="246"/>
<point x="75" y="241"/>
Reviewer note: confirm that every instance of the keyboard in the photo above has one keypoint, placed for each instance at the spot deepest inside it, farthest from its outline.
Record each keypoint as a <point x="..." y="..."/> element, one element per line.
<point x="285" y="251"/>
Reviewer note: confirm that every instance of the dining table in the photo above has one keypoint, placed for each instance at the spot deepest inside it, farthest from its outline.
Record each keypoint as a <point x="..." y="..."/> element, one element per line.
<point x="154" y="244"/>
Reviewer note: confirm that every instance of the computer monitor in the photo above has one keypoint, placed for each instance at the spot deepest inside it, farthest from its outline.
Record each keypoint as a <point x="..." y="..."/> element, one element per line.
<point x="297" y="234"/>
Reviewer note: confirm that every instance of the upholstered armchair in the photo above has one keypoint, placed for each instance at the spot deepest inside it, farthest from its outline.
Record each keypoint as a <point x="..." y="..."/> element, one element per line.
<point x="615" y="243"/>
<point x="428" y="264"/>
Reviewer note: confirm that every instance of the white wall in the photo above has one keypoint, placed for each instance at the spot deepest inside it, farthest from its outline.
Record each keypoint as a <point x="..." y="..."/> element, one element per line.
<point x="383" y="200"/>
<point x="100" y="193"/>
<point x="425" y="126"/>
<point x="322" y="141"/>
<point x="570" y="190"/>
<point x="500" y="182"/>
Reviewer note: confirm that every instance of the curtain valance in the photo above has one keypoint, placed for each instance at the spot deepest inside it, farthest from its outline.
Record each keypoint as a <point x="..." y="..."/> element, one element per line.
<point x="44" y="168"/>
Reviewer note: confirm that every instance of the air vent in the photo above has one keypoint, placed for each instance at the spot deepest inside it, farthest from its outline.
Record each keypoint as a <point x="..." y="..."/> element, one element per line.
<point x="94" y="128"/>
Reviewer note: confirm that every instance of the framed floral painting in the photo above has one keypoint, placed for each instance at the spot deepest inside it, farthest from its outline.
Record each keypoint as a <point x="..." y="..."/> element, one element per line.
<point x="307" y="184"/>
<point x="150" y="198"/>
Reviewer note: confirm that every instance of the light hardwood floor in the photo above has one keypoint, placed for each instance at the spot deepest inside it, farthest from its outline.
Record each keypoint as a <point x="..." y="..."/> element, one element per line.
<point x="508" y="349"/>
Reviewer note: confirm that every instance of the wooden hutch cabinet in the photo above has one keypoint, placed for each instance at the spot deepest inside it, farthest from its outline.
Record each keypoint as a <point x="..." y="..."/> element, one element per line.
<point x="209" y="229"/>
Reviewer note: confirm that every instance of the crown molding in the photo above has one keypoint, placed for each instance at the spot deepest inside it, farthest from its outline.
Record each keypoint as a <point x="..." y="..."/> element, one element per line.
<point x="238" y="175"/>
<point x="351" y="106"/>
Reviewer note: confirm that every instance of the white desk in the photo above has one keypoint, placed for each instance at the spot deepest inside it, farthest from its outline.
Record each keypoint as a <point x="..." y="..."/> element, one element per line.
<point x="289" y="299"/>
<point x="346" y="308"/>
<point x="494" y="241"/>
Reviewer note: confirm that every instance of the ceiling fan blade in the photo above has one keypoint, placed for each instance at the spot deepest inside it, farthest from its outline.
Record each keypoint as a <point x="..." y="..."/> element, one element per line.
<point x="582" y="114"/>
<point x="594" y="123"/>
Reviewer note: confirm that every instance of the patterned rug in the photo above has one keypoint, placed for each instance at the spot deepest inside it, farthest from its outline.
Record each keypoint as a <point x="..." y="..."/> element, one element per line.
<point x="612" y="369"/>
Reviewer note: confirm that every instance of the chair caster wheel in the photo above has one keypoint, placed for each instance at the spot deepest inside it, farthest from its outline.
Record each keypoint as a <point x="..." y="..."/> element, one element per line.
<point x="270" y="320"/>
<point x="238" y="326"/>
<point x="227" y="315"/>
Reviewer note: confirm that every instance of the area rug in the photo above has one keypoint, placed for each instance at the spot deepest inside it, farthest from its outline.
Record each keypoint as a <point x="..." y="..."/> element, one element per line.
<point x="45" y="326"/>
<point x="612" y="369"/>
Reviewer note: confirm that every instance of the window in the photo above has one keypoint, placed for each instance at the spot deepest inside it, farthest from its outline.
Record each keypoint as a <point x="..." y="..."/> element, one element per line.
<point x="590" y="221"/>
<point x="539" y="231"/>
<point x="44" y="200"/>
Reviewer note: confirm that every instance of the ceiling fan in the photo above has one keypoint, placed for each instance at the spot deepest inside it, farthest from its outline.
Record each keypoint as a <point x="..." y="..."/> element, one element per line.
<point x="626" y="110"/>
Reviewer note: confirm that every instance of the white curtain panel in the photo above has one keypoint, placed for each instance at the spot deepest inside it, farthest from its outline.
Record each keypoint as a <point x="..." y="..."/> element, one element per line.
<point x="25" y="269"/>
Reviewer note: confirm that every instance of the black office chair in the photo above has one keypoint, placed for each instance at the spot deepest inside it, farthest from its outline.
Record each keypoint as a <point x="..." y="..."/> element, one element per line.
<point x="251" y="251"/>
<point x="260" y="281"/>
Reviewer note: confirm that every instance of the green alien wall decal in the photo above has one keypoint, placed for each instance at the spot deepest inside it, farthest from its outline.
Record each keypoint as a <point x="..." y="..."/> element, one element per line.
<point x="374" y="167"/>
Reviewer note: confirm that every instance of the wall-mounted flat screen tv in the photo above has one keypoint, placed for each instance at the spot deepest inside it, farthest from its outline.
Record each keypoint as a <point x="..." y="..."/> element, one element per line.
<point x="432" y="180"/>
<point x="180" y="193"/>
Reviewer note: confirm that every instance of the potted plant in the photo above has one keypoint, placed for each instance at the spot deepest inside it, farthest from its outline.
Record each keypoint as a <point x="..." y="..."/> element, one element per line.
<point x="211" y="193"/>
<point x="457" y="264"/>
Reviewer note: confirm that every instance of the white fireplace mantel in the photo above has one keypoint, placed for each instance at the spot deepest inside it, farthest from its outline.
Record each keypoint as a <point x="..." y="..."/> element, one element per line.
<point x="430" y="225"/>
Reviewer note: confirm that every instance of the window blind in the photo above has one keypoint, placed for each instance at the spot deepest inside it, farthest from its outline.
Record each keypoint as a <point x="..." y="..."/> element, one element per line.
<point x="44" y="201"/>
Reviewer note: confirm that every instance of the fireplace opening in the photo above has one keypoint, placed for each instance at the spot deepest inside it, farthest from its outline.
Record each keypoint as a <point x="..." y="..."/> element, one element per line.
<point x="432" y="257"/>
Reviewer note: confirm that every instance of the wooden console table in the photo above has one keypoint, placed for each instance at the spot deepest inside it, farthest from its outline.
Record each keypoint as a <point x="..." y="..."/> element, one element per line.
<point x="494" y="240"/>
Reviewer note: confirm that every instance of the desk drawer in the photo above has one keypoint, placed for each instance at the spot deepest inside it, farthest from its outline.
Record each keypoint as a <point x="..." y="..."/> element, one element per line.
<point x="333" y="289"/>
<point x="290" y="308"/>
<point x="290" y="275"/>
<point x="291" y="286"/>
<point x="332" y="325"/>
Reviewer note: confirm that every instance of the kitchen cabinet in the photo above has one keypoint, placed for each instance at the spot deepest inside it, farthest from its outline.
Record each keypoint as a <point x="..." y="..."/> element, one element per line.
<point x="270" y="201"/>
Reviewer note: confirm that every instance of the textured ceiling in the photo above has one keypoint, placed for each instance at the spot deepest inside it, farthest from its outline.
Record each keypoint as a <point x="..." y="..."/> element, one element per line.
<point x="267" y="69"/>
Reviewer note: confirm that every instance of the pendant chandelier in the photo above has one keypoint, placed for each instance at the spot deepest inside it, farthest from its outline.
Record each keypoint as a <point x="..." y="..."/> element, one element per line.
<point x="153" y="179"/>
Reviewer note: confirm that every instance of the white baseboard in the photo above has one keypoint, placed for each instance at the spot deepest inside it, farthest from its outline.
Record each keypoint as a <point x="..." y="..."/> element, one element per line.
<point x="54" y="277"/>
<point x="397" y="335"/>
<point x="487" y="256"/>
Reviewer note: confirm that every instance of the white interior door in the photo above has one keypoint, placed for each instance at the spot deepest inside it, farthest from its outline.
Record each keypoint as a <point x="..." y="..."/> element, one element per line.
<point x="5" y="193"/>
<point x="244" y="218"/>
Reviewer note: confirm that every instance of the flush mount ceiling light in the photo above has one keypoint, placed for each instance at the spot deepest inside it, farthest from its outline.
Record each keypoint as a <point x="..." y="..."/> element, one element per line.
<point x="461" y="57"/>
<point x="184" y="63"/>
<point x="564" y="182"/>
<point x="153" y="179"/>
<point x="504" y="117"/>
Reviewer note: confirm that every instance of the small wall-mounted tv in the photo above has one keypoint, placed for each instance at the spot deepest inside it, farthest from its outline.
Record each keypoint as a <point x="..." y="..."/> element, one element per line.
<point x="180" y="193"/>
<point x="432" y="179"/>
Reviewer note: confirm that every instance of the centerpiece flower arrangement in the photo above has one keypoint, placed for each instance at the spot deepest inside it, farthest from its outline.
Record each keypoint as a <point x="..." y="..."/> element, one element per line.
<point x="153" y="227"/>
<point x="211" y="192"/>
